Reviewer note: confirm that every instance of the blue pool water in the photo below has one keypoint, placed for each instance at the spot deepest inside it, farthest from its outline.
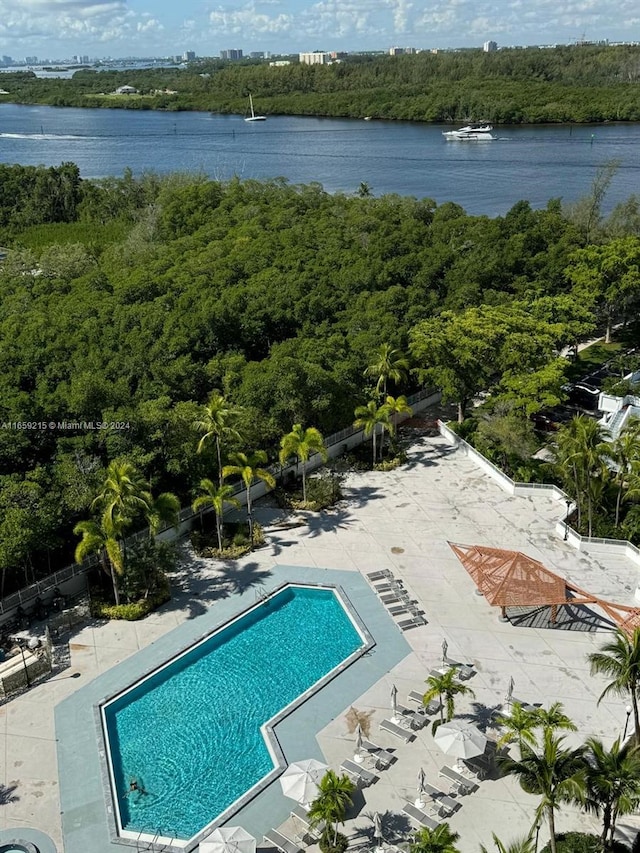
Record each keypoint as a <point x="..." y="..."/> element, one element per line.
<point x="190" y="734"/>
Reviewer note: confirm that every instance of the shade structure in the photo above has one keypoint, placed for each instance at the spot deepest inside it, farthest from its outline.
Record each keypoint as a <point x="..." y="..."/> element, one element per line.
<point x="301" y="779"/>
<point x="460" y="739"/>
<point x="228" y="839"/>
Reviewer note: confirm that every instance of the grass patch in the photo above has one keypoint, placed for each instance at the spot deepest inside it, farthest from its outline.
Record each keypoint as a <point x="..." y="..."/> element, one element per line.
<point x="592" y="358"/>
<point x="59" y="233"/>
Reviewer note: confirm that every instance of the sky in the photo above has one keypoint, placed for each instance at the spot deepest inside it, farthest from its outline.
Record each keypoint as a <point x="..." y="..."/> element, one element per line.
<point x="60" y="29"/>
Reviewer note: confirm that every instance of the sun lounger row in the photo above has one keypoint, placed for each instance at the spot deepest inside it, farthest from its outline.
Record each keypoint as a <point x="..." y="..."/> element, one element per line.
<point x="432" y="708"/>
<point x="396" y="599"/>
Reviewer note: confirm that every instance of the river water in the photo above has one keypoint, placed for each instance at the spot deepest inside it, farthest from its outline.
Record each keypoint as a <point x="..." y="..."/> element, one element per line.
<point x="533" y="163"/>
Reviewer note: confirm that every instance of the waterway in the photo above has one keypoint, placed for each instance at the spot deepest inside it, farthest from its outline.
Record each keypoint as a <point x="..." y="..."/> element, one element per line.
<point x="533" y="163"/>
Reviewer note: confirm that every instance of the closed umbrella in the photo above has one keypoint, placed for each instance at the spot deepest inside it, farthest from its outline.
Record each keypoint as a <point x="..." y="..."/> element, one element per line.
<point x="377" y="829"/>
<point x="419" y="803"/>
<point x="461" y="740"/>
<point x="228" y="839"/>
<point x="301" y="779"/>
<point x="445" y="649"/>
<point x="394" y="704"/>
<point x="509" y="697"/>
<point x="358" y="753"/>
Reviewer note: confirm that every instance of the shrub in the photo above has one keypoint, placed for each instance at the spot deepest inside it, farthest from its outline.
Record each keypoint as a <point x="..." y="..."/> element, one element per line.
<point x="391" y="464"/>
<point x="582" y="842"/>
<point x="235" y="548"/>
<point x="329" y="843"/>
<point x="133" y="610"/>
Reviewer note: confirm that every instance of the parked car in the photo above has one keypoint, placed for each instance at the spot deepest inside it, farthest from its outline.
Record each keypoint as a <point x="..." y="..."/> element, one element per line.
<point x="543" y="422"/>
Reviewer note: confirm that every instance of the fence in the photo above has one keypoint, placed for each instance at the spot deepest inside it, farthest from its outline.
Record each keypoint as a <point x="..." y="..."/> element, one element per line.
<point x="612" y="547"/>
<point x="72" y="578"/>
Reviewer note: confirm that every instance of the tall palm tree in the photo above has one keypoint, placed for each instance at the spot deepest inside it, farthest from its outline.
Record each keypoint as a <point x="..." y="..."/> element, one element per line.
<point x="445" y="687"/>
<point x="368" y="417"/>
<point x="553" y="774"/>
<point x="215" y="497"/>
<point x="301" y="443"/>
<point x="554" y="718"/>
<point x="247" y="467"/>
<point x="164" y="510"/>
<point x="442" y="839"/>
<point x="395" y="406"/>
<point x="520" y="845"/>
<point x="619" y="659"/>
<point x="624" y="451"/>
<point x="216" y="425"/>
<point x="124" y="493"/>
<point x="611" y="783"/>
<point x="519" y="726"/>
<point x="331" y="804"/>
<point x="388" y="363"/>
<point x="102" y="538"/>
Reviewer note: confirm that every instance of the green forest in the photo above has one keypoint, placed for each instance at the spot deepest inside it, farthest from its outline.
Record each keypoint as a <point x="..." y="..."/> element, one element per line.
<point x="130" y="302"/>
<point x="579" y="83"/>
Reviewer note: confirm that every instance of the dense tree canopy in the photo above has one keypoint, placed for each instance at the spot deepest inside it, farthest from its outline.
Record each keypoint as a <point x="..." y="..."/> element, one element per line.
<point x="133" y="301"/>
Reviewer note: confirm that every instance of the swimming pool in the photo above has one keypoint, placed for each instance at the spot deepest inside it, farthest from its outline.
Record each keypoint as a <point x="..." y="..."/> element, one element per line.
<point x="191" y="733"/>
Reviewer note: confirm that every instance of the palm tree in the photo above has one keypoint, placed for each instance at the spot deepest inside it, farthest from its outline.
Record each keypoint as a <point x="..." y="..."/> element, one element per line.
<point x="388" y="363"/>
<point x="553" y="774"/>
<point x="124" y="493"/>
<point x="519" y="726"/>
<point x="442" y="839"/>
<point x="368" y="417"/>
<point x="611" y="784"/>
<point x="102" y="538"/>
<point x="395" y="406"/>
<point x="246" y="466"/>
<point x="619" y="659"/>
<point x="520" y="845"/>
<point x="163" y="511"/>
<point x="331" y="804"/>
<point x="301" y="444"/>
<point x="581" y="455"/>
<point x="215" y="497"/>
<point x="215" y="426"/>
<point x="554" y="718"/>
<point x="445" y="687"/>
<point x="623" y="451"/>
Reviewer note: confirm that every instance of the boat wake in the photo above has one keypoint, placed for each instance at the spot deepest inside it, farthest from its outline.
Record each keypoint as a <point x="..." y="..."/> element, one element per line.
<point x="41" y="136"/>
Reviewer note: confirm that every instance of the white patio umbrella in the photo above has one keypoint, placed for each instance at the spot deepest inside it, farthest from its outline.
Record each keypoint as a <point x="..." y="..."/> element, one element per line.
<point x="228" y="839"/>
<point x="377" y="830"/>
<point x="358" y="753"/>
<point x="460" y="739"/>
<point x="301" y="779"/>
<point x="394" y="705"/>
<point x="419" y="803"/>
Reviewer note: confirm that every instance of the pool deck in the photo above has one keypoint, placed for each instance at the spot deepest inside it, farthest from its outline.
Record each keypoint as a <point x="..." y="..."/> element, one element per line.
<point x="401" y="521"/>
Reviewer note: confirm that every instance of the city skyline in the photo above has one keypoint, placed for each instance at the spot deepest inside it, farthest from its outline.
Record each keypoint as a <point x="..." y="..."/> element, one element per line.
<point x="59" y="29"/>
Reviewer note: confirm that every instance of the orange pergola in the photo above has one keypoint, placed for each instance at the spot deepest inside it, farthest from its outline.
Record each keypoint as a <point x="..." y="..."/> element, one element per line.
<point x="513" y="579"/>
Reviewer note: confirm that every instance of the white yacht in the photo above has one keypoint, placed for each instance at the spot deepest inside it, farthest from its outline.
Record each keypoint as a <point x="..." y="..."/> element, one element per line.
<point x="477" y="132"/>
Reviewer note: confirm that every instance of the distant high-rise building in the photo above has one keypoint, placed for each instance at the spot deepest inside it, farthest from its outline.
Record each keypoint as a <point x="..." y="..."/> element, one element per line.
<point x="257" y="54"/>
<point x="490" y="46"/>
<point x="396" y="51"/>
<point x="31" y="60"/>
<point x="188" y="55"/>
<point x="230" y="54"/>
<point x="7" y="60"/>
<point x="315" y="57"/>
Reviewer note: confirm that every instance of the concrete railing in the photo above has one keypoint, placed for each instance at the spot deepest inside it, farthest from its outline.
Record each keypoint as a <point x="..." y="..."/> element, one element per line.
<point x="72" y="579"/>
<point x="613" y="547"/>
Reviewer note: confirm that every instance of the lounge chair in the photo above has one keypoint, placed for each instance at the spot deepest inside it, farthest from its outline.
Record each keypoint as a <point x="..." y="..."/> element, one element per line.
<point x="380" y="575"/>
<point x="442" y="804"/>
<point x="420" y="816"/>
<point x="301" y="815"/>
<point x="432" y="708"/>
<point x="281" y="842"/>
<point x="357" y="773"/>
<point x="406" y="607"/>
<point x="459" y="784"/>
<point x="382" y="757"/>
<point x="416" y="718"/>
<point x="397" y="731"/>
<point x="400" y="595"/>
<point x="414" y="622"/>
<point x="389" y="586"/>
<point x="464" y="671"/>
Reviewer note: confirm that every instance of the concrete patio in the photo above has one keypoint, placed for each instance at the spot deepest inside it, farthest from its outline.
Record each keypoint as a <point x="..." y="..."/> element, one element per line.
<point x="400" y="521"/>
